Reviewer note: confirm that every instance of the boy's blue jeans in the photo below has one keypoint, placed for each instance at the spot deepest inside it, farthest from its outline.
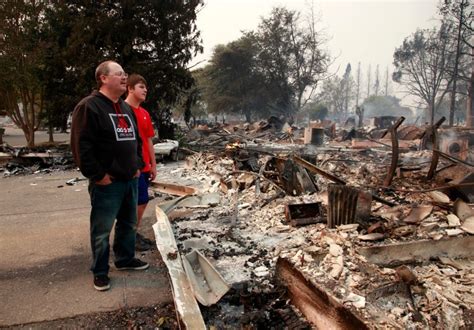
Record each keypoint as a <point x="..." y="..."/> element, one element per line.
<point x="117" y="200"/>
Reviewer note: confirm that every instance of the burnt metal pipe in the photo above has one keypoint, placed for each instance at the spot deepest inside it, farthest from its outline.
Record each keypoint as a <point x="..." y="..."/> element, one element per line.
<point x="394" y="164"/>
<point x="433" y="131"/>
<point x="395" y="126"/>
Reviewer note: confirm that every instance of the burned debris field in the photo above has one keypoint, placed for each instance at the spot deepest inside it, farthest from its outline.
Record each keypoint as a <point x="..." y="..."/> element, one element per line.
<point x="318" y="223"/>
<point x="315" y="226"/>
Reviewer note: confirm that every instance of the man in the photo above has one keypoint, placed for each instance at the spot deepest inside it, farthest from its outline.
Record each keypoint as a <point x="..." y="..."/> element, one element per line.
<point x="106" y="147"/>
<point x="137" y="90"/>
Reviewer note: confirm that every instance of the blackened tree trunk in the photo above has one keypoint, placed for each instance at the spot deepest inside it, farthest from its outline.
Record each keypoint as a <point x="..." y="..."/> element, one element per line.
<point x="431" y="109"/>
<point x="470" y="103"/>
<point x="248" y="115"/>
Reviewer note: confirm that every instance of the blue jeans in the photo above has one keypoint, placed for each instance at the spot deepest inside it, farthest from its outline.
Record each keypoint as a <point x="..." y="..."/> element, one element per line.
<point x="117" y="200"/>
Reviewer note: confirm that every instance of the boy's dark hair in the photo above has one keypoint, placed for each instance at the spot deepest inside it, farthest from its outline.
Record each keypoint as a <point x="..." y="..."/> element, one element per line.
<point x="134" y="79"/>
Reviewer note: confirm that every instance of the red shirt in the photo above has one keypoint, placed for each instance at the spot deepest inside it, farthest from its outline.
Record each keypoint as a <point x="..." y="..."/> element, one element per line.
<point x="145" y="129"/>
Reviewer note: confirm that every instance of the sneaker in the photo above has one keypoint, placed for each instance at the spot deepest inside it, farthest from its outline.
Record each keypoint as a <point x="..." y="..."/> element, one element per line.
<point x="101" y="282"/>
<point x="142" y="246"/>
<point x="134" y="264"/>
<point x="142" y="238"/>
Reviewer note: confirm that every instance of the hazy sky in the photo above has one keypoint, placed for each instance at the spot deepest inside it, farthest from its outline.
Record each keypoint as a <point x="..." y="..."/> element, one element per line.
<point x="359" y="31"/>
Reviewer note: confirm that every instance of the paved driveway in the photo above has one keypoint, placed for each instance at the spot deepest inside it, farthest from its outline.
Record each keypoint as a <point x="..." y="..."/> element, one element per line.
<point x="45" y="255"/>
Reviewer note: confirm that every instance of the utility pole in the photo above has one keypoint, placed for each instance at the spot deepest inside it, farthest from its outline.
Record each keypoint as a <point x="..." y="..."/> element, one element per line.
<point x="368" y="81"/>
<point x="358" y="85"/>
<point x="452" y="104"/>
<point x="377" y="80"/>
<point x="347" y="77"/>
<point x="470" y="97"/>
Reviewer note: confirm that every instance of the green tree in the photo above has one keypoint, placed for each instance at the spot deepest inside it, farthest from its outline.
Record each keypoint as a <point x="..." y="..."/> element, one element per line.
<point x="190" y="104"/>
<point x="422" y="63"/>
<point x="231" y="83"/>
<point x="290" y="57"/>
<point x="316" y="111"/>
<point x="22" y="45"/>
<point x="348" y="87"/>
<point x="60" y="79"/>
<point x="384" y="105"/>
<point x="154" y="38"/>
<point x="337" y="93"/>
<point x="49" y="51"/>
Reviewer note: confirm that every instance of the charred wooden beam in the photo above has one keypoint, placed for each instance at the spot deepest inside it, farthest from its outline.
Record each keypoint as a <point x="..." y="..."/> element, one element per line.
<point x="172" y="189"/>
<point x="435" y="156"/>
<point x="452" y="158"/>
<point x="316" y="170"/>
<point x="437" y="125"/>
<point x="318" y="306"/>
<point x="262" y="178"/>
<point x="418" y="251"/>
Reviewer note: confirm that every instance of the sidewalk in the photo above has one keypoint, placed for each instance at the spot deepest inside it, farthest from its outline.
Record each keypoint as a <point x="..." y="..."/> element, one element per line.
<point x="44" y="269"/>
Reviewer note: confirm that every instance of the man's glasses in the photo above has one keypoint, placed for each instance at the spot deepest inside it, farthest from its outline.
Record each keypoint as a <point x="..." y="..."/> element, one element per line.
<point x="119" y="74"/>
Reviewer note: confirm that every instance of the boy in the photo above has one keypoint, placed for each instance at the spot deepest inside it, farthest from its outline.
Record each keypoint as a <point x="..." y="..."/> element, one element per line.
<point x="137" y="91"/>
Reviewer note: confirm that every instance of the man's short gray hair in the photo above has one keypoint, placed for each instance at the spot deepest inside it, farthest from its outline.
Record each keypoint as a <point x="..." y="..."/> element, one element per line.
<point x="102" y="69"/>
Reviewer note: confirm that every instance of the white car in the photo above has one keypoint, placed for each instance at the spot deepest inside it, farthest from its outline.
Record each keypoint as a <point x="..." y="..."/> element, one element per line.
<point x="69" y="120"/>
<point x="165" y="147"/>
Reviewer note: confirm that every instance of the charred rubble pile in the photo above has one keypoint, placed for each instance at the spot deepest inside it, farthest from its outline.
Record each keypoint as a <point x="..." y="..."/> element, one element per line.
<point x="273" y="130"/>
<point x="41" y="159"/>
<point x="363" y="233"/>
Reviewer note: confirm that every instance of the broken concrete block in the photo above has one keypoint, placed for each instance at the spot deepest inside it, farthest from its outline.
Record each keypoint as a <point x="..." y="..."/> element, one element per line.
<point x="356" y="300"/>
<point x="468" y="225"/>
<point x="417" y="214"/>
<point x="371" y="237"/>
<point x="462" y="210"/>
<point x="337" y="267"/>
<point x="453" y="220"/>
<point x="335" y="250"/>
<point x="454" y="232"/>
<point x="393" y="213"/>
<point x="348" y="227"/>
<point x="261" y="271"/>
<point x="438" y="196"/>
